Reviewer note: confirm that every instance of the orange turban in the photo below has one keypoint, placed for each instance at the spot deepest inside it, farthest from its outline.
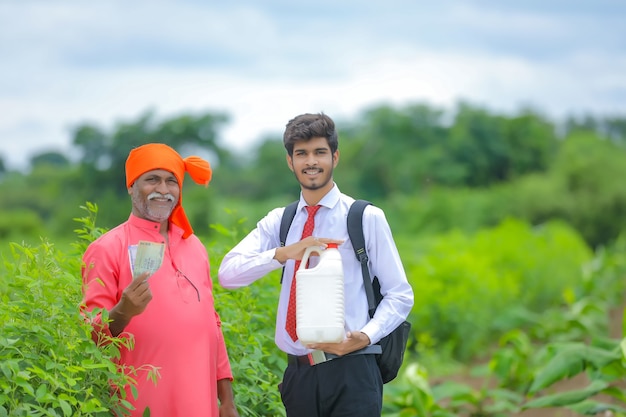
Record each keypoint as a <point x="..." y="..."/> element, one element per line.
<point x="160" y="156"/>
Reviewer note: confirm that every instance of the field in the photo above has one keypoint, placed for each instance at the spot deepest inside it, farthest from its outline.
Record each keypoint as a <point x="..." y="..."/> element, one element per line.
<point x="545" y="340"/>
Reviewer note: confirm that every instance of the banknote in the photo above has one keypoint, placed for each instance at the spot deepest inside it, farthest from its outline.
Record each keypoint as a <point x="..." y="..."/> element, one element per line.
<point x="148" y="257"/>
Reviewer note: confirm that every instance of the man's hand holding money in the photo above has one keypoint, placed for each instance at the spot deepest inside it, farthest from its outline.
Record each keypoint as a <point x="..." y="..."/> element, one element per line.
<point x="134" y="300"/>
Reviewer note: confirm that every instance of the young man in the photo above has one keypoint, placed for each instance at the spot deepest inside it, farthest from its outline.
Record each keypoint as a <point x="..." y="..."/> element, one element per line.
<point x="346" y="380"/>
<point x="170" y="314"/>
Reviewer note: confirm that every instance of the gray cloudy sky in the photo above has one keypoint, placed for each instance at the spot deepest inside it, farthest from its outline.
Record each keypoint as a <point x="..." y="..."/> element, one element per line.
<point x="67" y="62"/>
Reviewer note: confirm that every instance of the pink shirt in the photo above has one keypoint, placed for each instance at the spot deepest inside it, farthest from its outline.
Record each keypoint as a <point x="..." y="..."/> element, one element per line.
<point x="179" y="332"/>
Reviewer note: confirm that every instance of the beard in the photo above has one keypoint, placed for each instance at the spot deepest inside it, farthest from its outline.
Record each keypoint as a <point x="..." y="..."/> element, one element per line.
<point x="321" y="182"/>
<point x="154" y="211"/>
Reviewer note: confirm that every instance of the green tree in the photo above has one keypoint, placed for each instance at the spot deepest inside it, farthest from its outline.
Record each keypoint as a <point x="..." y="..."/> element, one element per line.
<point x="615" y="129"/>
<point x="494" y="148"/>
<point x="531" y="144"/>
<point x="590" y="168"/>
<point x="55" y="159"/>
<point x="611" y="127"/>
<point x="393" y="150"/>
<point x="268" y="174"/>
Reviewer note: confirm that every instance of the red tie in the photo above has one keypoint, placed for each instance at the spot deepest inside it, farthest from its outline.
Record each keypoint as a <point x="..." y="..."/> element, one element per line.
<point x="290" y="325"/>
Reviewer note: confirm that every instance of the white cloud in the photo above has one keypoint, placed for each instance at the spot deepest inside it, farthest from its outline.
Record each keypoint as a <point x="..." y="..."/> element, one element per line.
<point x="263" y="63"/>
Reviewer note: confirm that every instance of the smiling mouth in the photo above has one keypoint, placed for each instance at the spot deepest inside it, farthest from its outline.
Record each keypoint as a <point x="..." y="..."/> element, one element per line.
<point x="161" y="198"/>
<point x="312" y="171"/>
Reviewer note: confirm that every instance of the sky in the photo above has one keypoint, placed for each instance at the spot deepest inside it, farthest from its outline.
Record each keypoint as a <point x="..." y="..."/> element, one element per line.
<point x="64" y="63"/>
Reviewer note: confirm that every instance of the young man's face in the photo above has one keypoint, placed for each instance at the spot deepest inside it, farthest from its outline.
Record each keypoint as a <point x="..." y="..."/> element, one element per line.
<point x="313" y="163"/>
<point x="155" y="195"/>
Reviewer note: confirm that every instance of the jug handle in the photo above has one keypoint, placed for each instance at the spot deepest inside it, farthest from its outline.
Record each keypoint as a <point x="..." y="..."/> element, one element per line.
<point x="307" y="253"/>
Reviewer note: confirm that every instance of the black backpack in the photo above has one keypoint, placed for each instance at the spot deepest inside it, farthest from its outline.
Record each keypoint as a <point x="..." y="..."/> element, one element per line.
<point x="394" y="344"/>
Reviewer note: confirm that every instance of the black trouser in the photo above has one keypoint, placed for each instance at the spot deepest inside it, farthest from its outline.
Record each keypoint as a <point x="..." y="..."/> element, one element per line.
<point x="349" y="386"/>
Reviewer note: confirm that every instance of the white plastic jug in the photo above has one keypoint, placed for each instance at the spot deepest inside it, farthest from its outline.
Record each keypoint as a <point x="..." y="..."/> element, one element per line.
<point x="319" y="297"/>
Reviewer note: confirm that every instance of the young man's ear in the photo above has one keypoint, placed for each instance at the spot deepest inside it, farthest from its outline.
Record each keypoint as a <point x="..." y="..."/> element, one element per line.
<point x="335" y="158"/>
<point x="289" y="162"/>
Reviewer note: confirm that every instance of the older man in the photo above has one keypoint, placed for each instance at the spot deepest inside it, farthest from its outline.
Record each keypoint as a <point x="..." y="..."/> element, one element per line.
<point x="169" y="312"/>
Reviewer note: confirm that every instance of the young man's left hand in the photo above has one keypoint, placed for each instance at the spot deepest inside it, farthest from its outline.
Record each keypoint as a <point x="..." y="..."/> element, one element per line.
<point x="353" y="341"/>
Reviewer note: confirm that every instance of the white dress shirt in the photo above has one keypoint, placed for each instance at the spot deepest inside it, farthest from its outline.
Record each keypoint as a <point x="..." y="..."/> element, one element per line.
<point x="253" y="258"/>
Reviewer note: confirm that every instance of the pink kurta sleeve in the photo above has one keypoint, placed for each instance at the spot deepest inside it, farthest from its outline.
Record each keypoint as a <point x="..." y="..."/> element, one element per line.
<point x="223" y="363"/>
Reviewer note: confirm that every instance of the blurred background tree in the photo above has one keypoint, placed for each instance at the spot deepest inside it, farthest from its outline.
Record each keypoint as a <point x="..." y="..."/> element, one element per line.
<point x="432" y="169"/>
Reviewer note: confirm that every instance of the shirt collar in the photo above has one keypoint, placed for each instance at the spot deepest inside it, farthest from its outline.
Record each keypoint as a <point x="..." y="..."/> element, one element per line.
<point x="329" y="200"/>
<point x="152" y="226"/>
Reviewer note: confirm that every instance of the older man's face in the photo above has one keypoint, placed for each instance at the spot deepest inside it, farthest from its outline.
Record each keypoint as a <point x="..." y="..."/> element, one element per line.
<point x="154" y="195"/>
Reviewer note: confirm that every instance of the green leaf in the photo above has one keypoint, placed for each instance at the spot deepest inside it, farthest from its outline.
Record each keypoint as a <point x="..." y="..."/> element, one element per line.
<point x="567" y="398"/>
<point x="452" y="390"/>
<point x="67" y="409"/>
<point x="592" y="408"/>
<point x="616" y="392"/>
<point x="41" y="392"/>
<point x="569" y="360"/>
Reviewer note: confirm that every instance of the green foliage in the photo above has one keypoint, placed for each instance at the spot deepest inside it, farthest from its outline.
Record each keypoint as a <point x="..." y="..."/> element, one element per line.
<point x="564" y="360"/>
<point x="54" y="159"/>
<point x="524" y="373"/>
<point x="442" y="179"/>
<point x="579" y="188"/>
<point x="438" y="170"/>
<point x="89" y="231"/>
<point x="588" y="168"/>
<point x="605" y="365"/>
<point x="604" y="276"/>
<point x="441" y="210"/>
<point x="258" y="175"/>
<point x="248" y="321"/>
<point x="384" y="145"/>
<point x="411" y="149"/>
<point x="43" y="195"/>
<point x="48" y="362"/>
<point x="256" y="362"/>
<point x="413" y="396"/>
<point x="19" y="223"/>
<point x="491" y="148"/>
<point x="462" y="282"/>
<point x="52" y="366"/>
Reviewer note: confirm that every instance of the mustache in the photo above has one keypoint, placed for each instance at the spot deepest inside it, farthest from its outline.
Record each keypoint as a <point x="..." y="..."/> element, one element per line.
<point x="154" y="195"/>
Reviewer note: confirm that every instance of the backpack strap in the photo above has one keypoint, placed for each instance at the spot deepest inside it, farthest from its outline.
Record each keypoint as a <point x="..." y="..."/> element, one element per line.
<point x="355" y="231"/>
<point x="285" y="224"/>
